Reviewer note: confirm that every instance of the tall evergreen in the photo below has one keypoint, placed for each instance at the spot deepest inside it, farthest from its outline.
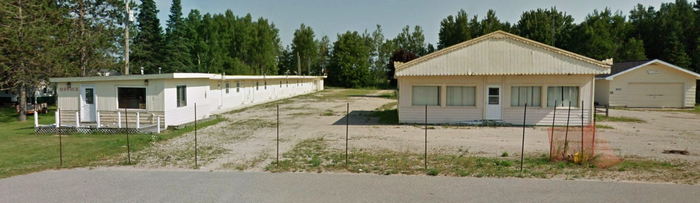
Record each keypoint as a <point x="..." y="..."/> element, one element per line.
<point x="304" y="49"/>
<point x="148" y="43"/>
<point x="177" y="53"/>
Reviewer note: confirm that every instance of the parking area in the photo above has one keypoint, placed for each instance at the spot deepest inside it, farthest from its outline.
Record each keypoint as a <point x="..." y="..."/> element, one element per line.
<point x="247" y="139"/>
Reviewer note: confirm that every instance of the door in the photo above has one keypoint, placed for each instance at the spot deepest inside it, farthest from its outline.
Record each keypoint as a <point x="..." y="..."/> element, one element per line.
<point x="655" y="95"/>
<point x="87" y="104"/>
<point x="493" y="103"/>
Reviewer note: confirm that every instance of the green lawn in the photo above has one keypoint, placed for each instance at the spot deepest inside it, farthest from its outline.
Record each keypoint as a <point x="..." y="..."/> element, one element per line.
<point x="602" y="118"/>
<point x="21" y="151"/>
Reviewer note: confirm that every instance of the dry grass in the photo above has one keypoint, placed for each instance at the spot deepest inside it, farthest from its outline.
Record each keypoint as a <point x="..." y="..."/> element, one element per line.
<point x="314" y="155"/>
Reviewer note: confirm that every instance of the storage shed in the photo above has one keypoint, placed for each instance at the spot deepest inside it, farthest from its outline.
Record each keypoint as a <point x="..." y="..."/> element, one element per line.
<point x="649" y="83"/>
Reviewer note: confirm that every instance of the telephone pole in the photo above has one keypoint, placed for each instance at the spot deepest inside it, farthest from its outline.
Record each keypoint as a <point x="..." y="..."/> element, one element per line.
<point x="126" y="38"/>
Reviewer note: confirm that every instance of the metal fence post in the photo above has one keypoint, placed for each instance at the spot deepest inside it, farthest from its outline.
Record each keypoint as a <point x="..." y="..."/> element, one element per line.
<point x="278" y="134"/>
<point x="566" y="134"/>
<point x="522" y="145"/>
<point x="607" y="108"/>
<point x="551" y="138"/>
<point x="195" y="136"/>
<point x="347" y="129"/>
<point x="425" y="155"/>
<point x="582" y="127"/>
<point x="60" y="149"/>
<point x="128" y="145"/>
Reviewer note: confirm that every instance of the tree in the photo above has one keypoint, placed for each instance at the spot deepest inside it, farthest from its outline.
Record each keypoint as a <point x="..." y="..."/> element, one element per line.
<point x="632" y="50"/>
<point x="304" y="48"/>
<point x="267" y="48"/>
<point x="400" y="55"/>
<point x="148" y="43"/>
<point x="600" y="35"/>
<point x="413" y="42"/>
<point x="454" y="29"/>
<point x="491" y="23"/>
<point x="548" y="26"/>
<point x="324" y="55"/>
<point x="177" y="53"/>
<point x="34" y="44"/>
<point x="350" y="61"/>
<point x="94" y="30"/>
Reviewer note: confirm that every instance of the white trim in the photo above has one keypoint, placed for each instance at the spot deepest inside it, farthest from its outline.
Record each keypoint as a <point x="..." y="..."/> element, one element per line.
<point x="611" y="77"/>
<point x="180" y="76"/>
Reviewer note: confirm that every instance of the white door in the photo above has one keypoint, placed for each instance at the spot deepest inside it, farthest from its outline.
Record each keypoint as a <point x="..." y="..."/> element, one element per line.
<point x="493" y="103"/>
<point x="87" y="104"/>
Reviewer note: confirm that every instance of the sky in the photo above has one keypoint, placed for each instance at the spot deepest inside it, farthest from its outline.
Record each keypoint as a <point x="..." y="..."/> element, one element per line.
<point x="330" y="17"/>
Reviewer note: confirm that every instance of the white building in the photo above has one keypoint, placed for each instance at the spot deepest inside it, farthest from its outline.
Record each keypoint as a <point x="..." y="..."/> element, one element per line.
<point x="169" y="97"/>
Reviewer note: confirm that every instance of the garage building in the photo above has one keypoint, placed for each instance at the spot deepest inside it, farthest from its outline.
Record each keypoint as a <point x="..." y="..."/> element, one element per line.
<point x="650" y="83"/>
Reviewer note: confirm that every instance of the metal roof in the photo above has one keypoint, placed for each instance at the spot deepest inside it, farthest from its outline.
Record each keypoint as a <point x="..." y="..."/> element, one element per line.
<point x="502" y="53"/>
<point x="624" y="67"/>
<point x="179" y="76"/>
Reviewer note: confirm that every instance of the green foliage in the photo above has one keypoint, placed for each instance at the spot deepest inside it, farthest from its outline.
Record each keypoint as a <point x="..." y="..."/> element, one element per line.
<point x="148" y="43"/>
<point x="411" y="41"/>
<point x="602" y="118"/>
<point x="548" y="26"/>
<point x="304" y="50"/>
<point x="350" y="61"/>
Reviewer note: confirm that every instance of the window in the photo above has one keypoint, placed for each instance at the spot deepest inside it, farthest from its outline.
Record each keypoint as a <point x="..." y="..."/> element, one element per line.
<point x="494" y="95"/>
<point x="89" y="96"/>
<point x="181" y="96"/>
<point x="562" y="96"/>
<point x="238" y="86"/>
<point x="131" y="97"/>
<point x="460" y="96"/>
<point x="520" y="95"/>
<point x="227" y="86"/>
<point x="426" y="95"/>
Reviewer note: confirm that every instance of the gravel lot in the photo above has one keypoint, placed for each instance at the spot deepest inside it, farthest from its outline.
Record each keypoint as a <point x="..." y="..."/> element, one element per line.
<point x="246" y="141"/>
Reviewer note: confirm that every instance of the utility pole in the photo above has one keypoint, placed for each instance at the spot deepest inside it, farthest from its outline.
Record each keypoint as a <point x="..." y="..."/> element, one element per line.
<point x="126" y="38"/>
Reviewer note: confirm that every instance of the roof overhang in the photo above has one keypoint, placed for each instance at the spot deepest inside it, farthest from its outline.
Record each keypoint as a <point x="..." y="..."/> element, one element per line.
<point x="501" y="53"/>
<point x="611" y="77"/>
<point x="181" y="76"/>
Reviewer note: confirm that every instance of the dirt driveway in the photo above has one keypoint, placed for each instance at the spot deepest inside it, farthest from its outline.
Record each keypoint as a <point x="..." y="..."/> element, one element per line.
<point x="246" y="141"/>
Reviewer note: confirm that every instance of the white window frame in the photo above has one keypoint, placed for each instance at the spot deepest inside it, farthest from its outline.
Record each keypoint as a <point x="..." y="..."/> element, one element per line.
<point x="575" y="104"/>
<point x="177" y="98"/>
<point x="439" y="94"/>
<point x="447" y="96"/>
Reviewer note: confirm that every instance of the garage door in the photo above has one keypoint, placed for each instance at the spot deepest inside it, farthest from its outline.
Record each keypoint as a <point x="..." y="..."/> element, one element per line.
<point x="655" y="95"/>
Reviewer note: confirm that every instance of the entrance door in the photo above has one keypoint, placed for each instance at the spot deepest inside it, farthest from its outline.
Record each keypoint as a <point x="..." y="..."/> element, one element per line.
<point x="493" y="103"/>
<point x="87" y="104"/>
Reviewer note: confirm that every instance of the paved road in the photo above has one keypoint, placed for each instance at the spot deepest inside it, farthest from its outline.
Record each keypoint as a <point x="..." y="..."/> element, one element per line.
<point x="110" y="185"/>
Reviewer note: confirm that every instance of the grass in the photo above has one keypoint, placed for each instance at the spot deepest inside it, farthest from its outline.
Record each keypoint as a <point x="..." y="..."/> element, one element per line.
<point x="602" y="118"/>
<point x="24" y="152"/>
<point x="601" y="126"/>
<point x="314" y="155"/>
<point x="387" y="113"/>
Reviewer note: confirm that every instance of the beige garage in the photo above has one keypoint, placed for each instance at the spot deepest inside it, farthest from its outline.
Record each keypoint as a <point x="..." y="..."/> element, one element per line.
<point x="651" y="83"/>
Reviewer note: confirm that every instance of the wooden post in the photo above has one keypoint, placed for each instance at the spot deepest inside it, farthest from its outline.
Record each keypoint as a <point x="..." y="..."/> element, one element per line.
<point x="99" y="123"/>
<point x="607" y="108"/>
<point x="58" y="117"/>
<point x="158" y="125"/>
<point x="36" y="119"/>
<point x="119" y="119"/>
<point x="138" y="120"/>
<point x="77" y="119"/>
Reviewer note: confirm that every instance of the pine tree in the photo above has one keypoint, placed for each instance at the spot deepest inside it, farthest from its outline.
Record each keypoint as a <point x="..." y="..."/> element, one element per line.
<point x="304" y="49"/>
<point x="148" y="43"/>
<point x="177" y="53"/>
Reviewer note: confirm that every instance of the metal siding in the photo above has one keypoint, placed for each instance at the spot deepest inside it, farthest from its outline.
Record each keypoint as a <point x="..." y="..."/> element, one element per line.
<point x="501" y="56"/>
<point x="620" y="85"/>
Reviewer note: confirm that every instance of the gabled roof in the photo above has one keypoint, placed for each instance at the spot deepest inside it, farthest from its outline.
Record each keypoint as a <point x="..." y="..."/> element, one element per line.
<point x="625" y="67"/>
<point x="501" y="53"/>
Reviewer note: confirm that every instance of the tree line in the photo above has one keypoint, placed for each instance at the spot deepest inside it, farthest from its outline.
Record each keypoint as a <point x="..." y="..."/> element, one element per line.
<point x="52" y="38"/>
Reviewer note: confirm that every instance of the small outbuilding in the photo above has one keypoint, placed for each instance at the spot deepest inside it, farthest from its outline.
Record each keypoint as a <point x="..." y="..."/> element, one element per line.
<point x="649" y="83"/>
<point x="106" y="101"/>
<point x="493" y="77"/>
